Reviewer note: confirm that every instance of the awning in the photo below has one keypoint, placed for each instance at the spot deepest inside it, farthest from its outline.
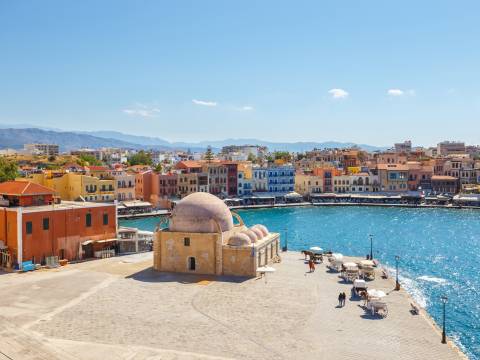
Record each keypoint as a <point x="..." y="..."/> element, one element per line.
<point x="131" y="204"/>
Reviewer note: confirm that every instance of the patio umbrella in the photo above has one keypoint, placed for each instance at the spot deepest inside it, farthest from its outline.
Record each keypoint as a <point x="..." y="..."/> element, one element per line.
<point x="367" y="263"/>
<point x="316" y="248"/>
<point x="376" y="293"/>
<point x="337" y="256"/>
<point x="350" y="265"/>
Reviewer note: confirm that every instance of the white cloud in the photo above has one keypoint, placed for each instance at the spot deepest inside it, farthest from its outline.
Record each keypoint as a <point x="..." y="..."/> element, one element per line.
<point x="399" y="92"/>
<point x="395" y="92"/>
<point x="338" y="93"/>
<point x="204" y="103"/>
<point x="142" y="111"/>
<point x="246" y="108"/>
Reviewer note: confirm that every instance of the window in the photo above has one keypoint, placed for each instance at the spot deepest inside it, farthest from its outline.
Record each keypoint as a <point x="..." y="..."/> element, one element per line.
<point x="105" y="219"/>
<point x="186" y="241"/>
<point x="88" y="220"/>
<point x="29" y="227"/>
<point x="46" y="223"/>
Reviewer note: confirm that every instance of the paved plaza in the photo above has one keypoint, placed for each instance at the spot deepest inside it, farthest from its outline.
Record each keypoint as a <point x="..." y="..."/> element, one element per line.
<point x="119" y="308"/>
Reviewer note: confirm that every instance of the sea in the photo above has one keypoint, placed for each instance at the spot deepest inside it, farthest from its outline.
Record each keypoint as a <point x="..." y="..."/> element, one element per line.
<point x="438" y="249"/>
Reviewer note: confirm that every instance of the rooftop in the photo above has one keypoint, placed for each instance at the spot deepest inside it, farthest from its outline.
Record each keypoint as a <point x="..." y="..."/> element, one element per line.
<point x="24" y="188"/>
<point x="64" y="205"/>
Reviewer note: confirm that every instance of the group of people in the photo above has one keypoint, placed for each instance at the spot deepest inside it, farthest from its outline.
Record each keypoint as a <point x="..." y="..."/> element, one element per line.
<point x="341" y="299"/>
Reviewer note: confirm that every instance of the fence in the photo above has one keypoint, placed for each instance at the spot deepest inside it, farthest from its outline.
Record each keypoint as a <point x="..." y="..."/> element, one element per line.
<point x="5" y="259"/>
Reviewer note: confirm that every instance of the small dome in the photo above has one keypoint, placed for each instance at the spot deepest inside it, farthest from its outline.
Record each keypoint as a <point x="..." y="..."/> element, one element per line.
<point x="262" y="228"/>
<point x="253" y="237"/>
<point x="239" y="239"/>
<point x="257" y="232"/>
<point x="199" y="212"/>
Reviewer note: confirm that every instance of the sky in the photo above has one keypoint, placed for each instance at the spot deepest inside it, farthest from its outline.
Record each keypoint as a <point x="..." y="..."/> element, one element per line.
<point x="372" y="72"/>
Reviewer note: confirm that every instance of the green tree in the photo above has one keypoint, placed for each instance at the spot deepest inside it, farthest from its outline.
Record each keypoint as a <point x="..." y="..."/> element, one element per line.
<point x="8" y="170"/>
<point x="158" y="168"/>
<point x="140" y="158"/>
<point x="86" y="159"/>
<point x="285" y="155"/>
<point x="252" y="158"/>
<point x="209" y="156"/>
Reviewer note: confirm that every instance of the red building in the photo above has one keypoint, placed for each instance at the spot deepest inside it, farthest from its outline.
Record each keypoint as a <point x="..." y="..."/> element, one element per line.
<point x="33" y="226"/>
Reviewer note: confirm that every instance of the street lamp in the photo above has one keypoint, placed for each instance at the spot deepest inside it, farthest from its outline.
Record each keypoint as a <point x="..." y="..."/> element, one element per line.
<point x="444" y="299"/>
<point x="371" y="246"/>
<point x="397" y="284"/>
<point x="285" y="248"/>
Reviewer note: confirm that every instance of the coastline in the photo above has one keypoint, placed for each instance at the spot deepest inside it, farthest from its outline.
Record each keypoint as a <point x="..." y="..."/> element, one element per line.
<point x="424" y="313"/>
<point x="165" y="212"/>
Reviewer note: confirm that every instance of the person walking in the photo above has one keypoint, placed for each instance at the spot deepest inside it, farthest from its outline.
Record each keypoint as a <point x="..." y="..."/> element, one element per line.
<point x="340" y="299"/>
<point x="310" y="265"/>
<point x="344" y="297"/>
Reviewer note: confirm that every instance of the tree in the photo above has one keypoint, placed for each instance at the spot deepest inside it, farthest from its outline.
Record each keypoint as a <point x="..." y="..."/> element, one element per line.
<point x="284" y="155"/>
<point x="158" y="168"/>
<point x="8" y="170"/>
<point x="252" y="158"/>
<point x="209" y="156"/>
<point x="140" y="158"/>
<point x="88" y="160"/>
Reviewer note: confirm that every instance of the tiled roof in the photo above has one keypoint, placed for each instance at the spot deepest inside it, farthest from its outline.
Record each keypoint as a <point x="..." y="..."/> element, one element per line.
<point x="22" y="188"/>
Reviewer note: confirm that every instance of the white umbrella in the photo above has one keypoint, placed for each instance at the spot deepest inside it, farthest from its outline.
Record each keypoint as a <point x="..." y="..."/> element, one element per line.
<point x="316" y="248"/>
<point x="350" y="265"/>
<point x="367" y="263"/>
<point x="337" y="256"/>
<point x="359" y="283"/>
<point x="376" y="293"/>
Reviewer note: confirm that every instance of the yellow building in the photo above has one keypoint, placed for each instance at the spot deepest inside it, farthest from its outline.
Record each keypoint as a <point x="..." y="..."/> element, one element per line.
<point x="307" y="184"/>
<point x="203" y="239"/>
<point x="74" y="186"/>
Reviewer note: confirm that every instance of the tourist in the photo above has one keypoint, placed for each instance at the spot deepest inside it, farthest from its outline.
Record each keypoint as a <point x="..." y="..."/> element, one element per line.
<point x="340" y="299"/>
<point x="344" y="297"/>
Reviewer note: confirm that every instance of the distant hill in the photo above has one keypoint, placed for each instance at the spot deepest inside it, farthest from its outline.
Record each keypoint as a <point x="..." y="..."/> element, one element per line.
<point x="216" y="144"/>
<point x="16" y="138"/>
<point x="68" y="140"/>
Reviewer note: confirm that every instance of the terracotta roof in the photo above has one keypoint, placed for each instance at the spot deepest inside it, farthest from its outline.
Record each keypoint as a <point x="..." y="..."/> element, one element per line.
<point x="189" y="164"/>
<point x="22" y="188"/>
<point x="98" y="168"/>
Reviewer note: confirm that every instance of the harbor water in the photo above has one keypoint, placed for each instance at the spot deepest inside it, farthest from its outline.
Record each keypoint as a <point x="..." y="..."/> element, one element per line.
<point x="439" y="252"/>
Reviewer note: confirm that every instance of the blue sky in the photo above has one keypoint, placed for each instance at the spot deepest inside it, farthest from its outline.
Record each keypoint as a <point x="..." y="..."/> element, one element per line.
<point x="364" y="71"/>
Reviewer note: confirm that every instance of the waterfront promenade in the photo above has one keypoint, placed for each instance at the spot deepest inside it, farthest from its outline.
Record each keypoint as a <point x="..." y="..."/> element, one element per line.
<point x="119" y="308"/>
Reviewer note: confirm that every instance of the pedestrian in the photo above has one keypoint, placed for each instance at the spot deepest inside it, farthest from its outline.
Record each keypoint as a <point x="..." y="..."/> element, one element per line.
<point x="310" y="264"/>
<point x="313" y="265"/>
<point x="344" y="297"/>
<point x="340" y="300"/>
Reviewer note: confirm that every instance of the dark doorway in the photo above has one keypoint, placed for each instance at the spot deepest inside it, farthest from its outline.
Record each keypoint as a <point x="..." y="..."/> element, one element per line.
<point x="191" y="263"/>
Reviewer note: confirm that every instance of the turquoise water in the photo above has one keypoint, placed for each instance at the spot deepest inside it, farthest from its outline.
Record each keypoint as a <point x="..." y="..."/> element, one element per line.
<point x="439" y="250"/>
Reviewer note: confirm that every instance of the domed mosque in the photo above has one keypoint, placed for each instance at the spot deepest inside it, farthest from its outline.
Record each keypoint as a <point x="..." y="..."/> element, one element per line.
<point x="202" y="238"/>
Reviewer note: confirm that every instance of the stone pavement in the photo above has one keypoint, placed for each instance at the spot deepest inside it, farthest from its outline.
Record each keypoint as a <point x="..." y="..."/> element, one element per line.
<point x="119" y="308"/>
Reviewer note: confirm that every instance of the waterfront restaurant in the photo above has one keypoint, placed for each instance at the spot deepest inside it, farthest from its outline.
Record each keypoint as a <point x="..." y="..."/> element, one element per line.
<point x="203" y="239"/>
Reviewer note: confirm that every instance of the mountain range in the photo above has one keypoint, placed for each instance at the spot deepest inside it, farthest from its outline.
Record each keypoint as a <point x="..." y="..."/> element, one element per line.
<point x="16" y="136"/>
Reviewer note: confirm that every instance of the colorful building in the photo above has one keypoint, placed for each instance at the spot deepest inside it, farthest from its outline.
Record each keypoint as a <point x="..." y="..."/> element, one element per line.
<point x="76" y="186"/>
<point x="41" y="228"/>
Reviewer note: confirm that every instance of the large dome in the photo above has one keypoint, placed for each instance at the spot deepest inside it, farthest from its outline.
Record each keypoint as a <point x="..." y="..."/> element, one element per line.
<point x="199" y="212"/>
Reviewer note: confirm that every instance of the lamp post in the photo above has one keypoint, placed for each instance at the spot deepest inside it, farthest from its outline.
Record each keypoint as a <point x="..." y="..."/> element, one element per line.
<point x="371" y="246"/>
<point x="285" y="248"/>
<point x="397" y="283"/>
<point x="444" y="299"/>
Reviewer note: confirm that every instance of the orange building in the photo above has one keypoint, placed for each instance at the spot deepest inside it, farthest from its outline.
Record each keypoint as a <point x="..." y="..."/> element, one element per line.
<point x="42" y="228"/>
